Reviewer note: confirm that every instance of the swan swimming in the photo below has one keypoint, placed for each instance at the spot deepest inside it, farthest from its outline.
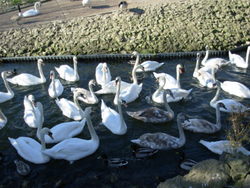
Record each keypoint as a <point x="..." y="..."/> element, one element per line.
<point x="149" y="66"/>
<point x="236" y="88"/>
<point x="55" y="88"/>
<point x="238" y="60"/>
<point x="26" y="79"/>
<point x="3" y="95"/>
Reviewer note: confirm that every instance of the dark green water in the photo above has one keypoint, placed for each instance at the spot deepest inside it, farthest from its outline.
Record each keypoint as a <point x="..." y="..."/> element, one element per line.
<point x="90" y="171"/>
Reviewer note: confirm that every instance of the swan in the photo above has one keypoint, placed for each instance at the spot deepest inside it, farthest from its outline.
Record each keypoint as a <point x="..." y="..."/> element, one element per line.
<point x="73" y="149"/>
<point x="70" y="109"/>
<point x="32" y="112"/>
<point x="89" y="96"/>
<point x="154" y="114"/>
<point x="238" y="60"/>
<point x="110" y="118"/>
<point x="3" y="119"/>
<point x="55" y="88"/>
<point x="170" y="81"/>
<point x="86" y="3"/>
<point x="62" y="131"/>
<point x="163" y="141"/>
<point x="236" y="88"/>
<point x="102" y="74"/>
<point x="3" y="95"/>
<point x="31" y="12"/>
<point x="177" y="93"/>
<point x="29" y="149"/>
<point x="150" y="66"/>
<point x="123" y="5"/>
<point x="67" y="73"/>
<point x="213" y="61"/>
<point x="221" y="146"/>
<point x="230" y="104"/>
<point x="202" y="125"/>
<point x="26" y="79"/>
<point x="110" y="88"/>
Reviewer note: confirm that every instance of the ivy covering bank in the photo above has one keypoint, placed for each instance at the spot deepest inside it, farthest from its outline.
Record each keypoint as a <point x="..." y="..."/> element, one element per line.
<point x="187" y="25"/>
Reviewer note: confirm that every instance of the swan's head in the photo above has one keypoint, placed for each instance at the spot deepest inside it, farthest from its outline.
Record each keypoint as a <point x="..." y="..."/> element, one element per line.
<point x="140" y="67"/>
<point x="123" y="5"/>
<point x="117" y="80"/>
<point x="218" y="84"/>
<point x="75" y="59"/>
<point x="198" y="56"/>
<point x="40" y="61"/>
<point x="124" y="103"/>
<point x="92" y="82"/>
<point x="168" y="92"/>
<point x="37" y="4"/>
<point x="52" y="74"/>
<point x="180" y="68"/>
<point x="47" y="131"/>
<point x="105" y="67"/>
<point x="31" y="98"/>
<point x="221" y="105"/>
<point x="135" y="53"/>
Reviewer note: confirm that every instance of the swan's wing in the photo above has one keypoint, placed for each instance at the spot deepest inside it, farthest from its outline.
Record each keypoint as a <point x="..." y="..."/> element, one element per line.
<point x="31" y="12"/>
<point x="108" y="88"/>
<point x="25" y="79"/>
<point x="236" y="88"/>
<point x="236" y="59"/>
<point x="231" y="106"/>
<point x="65" y="72"/>
<point x="150" y="66"/>
<point x="198" y="125"/>
<point x="68" y="108"/>
<point x="131" y="93"/>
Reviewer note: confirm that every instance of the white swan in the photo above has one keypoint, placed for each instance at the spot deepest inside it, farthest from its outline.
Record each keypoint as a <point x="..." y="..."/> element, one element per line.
<point x="230" y="104"/>
<point x="111" y="119"/>
<point x="202" y="125"/>
<point x="31" y="12"/>
<point x="86" y="3"/>
<point x="110" y="88"/>
<point x="221" y="146"/>
<point x="177" y="93"/>
<point x="206" y="79"/>
<point x="102" y="74"/>
<point x="3" y="119"/>
<point x="163" y="141"/>
<point x="3" y="95"/>
<point x="70" y="109"/>
<point x="238" y="60"/>
<point x="213" y="61"/>
<point x="26" y="79"/>
<point x="67" y="73"/>
<point x="154" y="114"/>
<point x="236" y="88"/>
<point x="55" y="88"/>
<point x="89" y="96"/>
<point x="73" y="149"/>
<point x="29" y="149"/>
<point x="170" y="81"/>
<point x="150" y="66"/>
<point x="62" y="131"/>
<point x="32" y="112"/>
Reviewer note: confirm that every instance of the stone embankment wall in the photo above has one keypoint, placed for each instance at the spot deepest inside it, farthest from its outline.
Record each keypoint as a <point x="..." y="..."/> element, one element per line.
<point x="187" y="25"/>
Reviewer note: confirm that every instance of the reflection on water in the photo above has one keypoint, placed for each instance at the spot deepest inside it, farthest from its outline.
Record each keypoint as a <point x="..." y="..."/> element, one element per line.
<point x="93" y="172"/>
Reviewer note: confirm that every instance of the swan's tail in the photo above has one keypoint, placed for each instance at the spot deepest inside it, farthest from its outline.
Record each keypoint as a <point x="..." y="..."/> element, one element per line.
<point x="12" y="141"/>
<point x="203" y="142"/>
<point x="103" y="105"/>
<point x="136" y="141"/>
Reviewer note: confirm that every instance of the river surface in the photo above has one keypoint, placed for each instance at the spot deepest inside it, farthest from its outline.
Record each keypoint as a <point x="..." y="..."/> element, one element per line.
<point x="93" y="172"/>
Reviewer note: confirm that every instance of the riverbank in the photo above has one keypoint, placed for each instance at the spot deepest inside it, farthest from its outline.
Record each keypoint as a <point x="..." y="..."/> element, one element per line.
<point x="164" y="27"/>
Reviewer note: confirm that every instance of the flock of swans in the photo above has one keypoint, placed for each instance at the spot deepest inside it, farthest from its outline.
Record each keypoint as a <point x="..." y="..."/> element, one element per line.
<point x="71" y="148"/>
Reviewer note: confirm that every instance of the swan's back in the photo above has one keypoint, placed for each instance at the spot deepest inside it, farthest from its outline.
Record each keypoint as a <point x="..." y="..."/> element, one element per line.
<point x="31" y="12"/>
<point x="25" y="79"/>
<point x="58" y="88"/>
<point x="236" y="88"/>
<point x="66" y="72"/>
<point x="150" y="66"/>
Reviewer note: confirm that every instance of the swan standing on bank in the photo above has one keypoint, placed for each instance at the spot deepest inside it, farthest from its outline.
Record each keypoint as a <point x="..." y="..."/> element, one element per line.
<point x="163" y="141"/>
<point x="102" y="74"/>
<point x="154" y="114"/>
<point x="73" y="149"/>
<point x="55" y="88"/>
<point x="3" y="119"/>
<point x="170" y="81"/>
<point x="67" y="73"/>
<point x="26" y="79"/>
<point x="202" y="125"/>
<point x="31" y="12"/>
<point x="110" y="118"/>
<point x="230" y="104"/>
<point x="236" y="88"/>
<point x="29" y="149"/>
<point x="3" y="95"/>
<point x="238" y="60"/>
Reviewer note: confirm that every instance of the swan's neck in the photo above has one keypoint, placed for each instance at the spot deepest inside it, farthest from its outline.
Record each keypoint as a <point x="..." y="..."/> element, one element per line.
<point x="213" y="73"/>
<point x="206" y="57"/>
<point x="76" y="102"/>
<point x="178" y="77"/>
<point x="160" y="89"/>
<point x="75" y="70"/>
<point x="119" y="102"/>
<point x="218" y="119"/>
<point x="182" y="138"/>
<point x="7" y="86"/>
<point x="135" y="81"/>
<point x="216" y="95"/>
<point x="53" y="85"/>
<point x="247" y="55"/>
<point x="2" y="117"/>
<point x="40" y="69"/>
<point x="42" y="135"/>
<point x="167" y="107"/>
<point x="197" y="66"/>
<point x="91" y="129"/>
<point x="91" y="90"/>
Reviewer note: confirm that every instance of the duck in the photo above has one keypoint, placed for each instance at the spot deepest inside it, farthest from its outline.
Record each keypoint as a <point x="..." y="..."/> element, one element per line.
<point x="26" y="79"/>
<point x="177" y="93"/>
<point x="154" y="114"/>
<point x="163" y="141"/>
<point x="30" y="12"/>
<point x="110" y="87"/>
<point x="3" y="119"/>
<point x="110" y="118"/>
<point x="86" y="3"/>
<point x="89" y="96"/>
<point x="113" y="162"/>
<point x="29" y="149"/>
<point x="231" y="105"/>
<point x="102" y="74"/>
<point x="221" y="146"/>
<point x="142" y="152"/>
<point x="238" y="60"/>
<point x="170" y="81"/>
<point x="202" y="125"/>
<point x="22" y="168"/>
<point x="32" y="111"/>
<point x="236" y="88"/>
<point x="55" y="88"/>
<point x="213" y="61"/>
<point x="67" y="73"/>
<point x="73" y="149"/>
<point x="150" y="66"/>
<point x="70" y="109"/>
<point x="62" y="131"/>
<point x="5" y="96"/>
<point x="123" y="5"/>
